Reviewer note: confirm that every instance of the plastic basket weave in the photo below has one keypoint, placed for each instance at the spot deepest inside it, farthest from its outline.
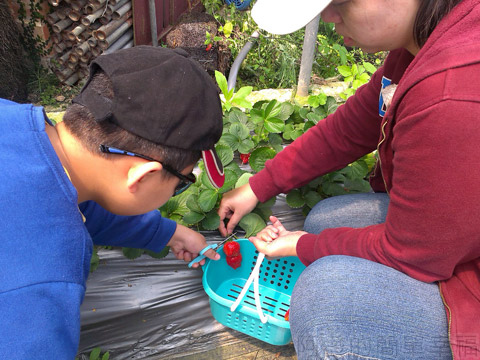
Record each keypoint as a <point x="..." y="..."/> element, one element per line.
<point x="277" y="277"/>
<point x="239" y="4"/>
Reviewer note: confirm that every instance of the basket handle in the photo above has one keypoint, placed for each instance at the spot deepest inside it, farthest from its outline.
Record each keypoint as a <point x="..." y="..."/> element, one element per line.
<point x="258" y="305"/>
<point x="253" y="275"/>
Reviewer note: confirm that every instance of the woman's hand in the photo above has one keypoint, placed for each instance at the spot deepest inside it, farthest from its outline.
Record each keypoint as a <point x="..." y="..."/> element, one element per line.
<point x="276" y="241"/>
<point x="235" y="205"/>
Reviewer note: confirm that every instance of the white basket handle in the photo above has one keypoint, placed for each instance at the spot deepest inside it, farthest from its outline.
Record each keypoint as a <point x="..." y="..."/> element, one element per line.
<point x="253" y="276"/>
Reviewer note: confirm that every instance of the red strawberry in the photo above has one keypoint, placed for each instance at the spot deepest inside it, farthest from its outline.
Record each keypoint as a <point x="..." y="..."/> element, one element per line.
<point x="234" y="261"/>
<point x="208" y="47"/>
<point x="287" y="315"/>
<point x="231" y="248"/>
<point x="245" y="158"/>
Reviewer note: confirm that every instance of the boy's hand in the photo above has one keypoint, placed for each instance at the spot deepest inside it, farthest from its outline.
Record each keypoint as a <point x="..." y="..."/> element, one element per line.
<point x="186" y="244"/>
<point x="276" y="241"/>
<point x="235" y="205"/>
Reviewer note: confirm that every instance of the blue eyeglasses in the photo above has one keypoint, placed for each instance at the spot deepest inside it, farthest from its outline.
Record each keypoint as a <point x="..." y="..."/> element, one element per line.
<point x="185" y="180"/>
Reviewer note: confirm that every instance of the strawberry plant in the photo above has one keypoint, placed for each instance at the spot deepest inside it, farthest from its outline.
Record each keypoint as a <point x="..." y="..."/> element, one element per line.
<point x="253" y="134"/>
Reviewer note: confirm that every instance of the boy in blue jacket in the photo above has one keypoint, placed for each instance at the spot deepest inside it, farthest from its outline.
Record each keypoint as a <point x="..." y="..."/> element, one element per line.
<point x="129" y="141"/>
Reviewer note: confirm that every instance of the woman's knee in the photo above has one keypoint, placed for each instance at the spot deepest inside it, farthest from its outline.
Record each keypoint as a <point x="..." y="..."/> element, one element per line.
<point x="356" y="210"/>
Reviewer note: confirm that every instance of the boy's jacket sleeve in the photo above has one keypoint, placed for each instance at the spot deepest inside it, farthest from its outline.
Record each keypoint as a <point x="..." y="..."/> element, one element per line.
<point x="148" y="231"/>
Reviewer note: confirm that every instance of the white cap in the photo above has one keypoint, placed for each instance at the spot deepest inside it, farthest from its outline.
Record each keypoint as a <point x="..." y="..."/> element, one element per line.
<point x="286" y="16"/>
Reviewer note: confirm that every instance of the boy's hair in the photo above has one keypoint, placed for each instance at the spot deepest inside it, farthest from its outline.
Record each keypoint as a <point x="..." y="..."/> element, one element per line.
<point x="81" y="123"/>
<point x="430" y="13"/>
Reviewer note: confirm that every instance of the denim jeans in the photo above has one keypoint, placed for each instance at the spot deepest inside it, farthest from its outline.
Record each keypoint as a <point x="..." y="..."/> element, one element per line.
<point x="349" y="308"/>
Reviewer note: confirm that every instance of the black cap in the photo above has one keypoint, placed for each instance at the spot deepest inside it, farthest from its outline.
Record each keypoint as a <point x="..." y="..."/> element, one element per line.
<point x="162" y="96"/>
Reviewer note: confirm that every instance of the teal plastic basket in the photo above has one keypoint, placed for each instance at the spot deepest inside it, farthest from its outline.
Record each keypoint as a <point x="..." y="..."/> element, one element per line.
<point x="277" y="277"/>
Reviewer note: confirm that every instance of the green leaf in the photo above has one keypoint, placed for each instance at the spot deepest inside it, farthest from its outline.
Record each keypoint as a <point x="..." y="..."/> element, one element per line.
<point x="369" y="67"/>
<point x="275" y="139"/>
<point x="229" y="95"/>
<point x="211" y="221"/>
<point x="257" y="116"/>
<point x="243" y="92"/>
<point x="263" y="212"/>
<point x="274" y="125"/>
<point x="344" y="70"/>
<point x="95" y="353"/>
<point x="237" y="116"/>
<point x="354" y="69"/>
<point x="192" y="204"/>
<point x="331" y="105"/>
<point x="228" y="28"/>
<point x="252" y="224"/>
<point x="230" y="180"/>
<point x="235" y="168"/>
<point x="269" y="110"/>
<point x="286" y="109"/>
<point x="207" y="200"/>
<point x="106" y="356"/>
<point x="192" y="217"/>
<point x="94" y="260"/>
<point x="317" y="100"/>
<point x="222" y="83"/>
<point x="312" y="198"/>
<point x="244" y="103"/>
<point x="268" y="204"/>
<point x="158" y="255"/>
<point x="333" y="189"/>
<point x="131" y="253"/>
<point x="260" y="156"/>
<point x="308" y="125"/>
<point x="355" y="171"/>
<point x="242" y="180"/>
<point x="314" y="117"/>
<point x="294" y="199"/>
<point x="303" y="112"/>
<point x="357" y="185"/>
<point x="246" y="146"/>
<point x="239" y="130"/>
<point x="363" y="78"/>
<point x="232" y="141"/>
<point x="296" y="134"/>
<point x="205" y="181"/>
<point x="225" y="153"/>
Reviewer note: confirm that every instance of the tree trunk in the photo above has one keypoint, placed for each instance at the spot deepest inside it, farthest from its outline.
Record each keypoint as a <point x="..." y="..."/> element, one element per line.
<point x="13" y="67"/>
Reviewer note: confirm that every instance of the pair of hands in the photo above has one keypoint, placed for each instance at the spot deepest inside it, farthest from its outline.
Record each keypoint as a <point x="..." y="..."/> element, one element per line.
<point x="274" y="240"/>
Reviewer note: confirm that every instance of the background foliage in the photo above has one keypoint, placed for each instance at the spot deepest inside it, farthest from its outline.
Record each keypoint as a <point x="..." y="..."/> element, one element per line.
<point x="275" y="60"/>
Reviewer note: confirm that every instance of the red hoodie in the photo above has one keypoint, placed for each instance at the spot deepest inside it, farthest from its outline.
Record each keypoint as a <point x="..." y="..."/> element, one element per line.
<point x="428" y="143"/>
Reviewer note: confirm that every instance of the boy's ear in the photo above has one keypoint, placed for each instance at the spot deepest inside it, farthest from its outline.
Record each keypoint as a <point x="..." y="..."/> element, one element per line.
<point x="138" y="172"/>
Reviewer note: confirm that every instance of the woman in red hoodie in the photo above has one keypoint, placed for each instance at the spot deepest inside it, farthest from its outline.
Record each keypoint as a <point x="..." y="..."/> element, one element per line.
<point x="393" y="274"/>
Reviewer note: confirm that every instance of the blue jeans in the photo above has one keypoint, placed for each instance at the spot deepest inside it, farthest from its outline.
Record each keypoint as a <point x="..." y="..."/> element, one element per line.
<point x="349" y="308"/>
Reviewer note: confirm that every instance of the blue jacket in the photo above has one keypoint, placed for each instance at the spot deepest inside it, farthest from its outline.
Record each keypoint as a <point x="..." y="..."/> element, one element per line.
<point x="45" y="247"/>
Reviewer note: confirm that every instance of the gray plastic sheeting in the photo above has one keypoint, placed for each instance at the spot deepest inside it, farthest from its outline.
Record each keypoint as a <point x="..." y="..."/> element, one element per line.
<point x="155" y="308"/>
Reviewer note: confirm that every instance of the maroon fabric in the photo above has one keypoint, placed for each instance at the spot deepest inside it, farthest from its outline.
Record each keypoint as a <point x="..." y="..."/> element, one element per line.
<point x="428" y="145"/>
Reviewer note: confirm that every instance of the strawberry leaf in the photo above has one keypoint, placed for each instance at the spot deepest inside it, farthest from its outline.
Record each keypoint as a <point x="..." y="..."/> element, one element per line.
<point x="252" y="224"/>
<point x="211" y="221"/>
<point x="207" y="200"/>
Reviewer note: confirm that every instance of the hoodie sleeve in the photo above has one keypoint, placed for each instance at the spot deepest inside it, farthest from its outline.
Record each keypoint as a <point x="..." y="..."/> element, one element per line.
<point x="148" y="231"/>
